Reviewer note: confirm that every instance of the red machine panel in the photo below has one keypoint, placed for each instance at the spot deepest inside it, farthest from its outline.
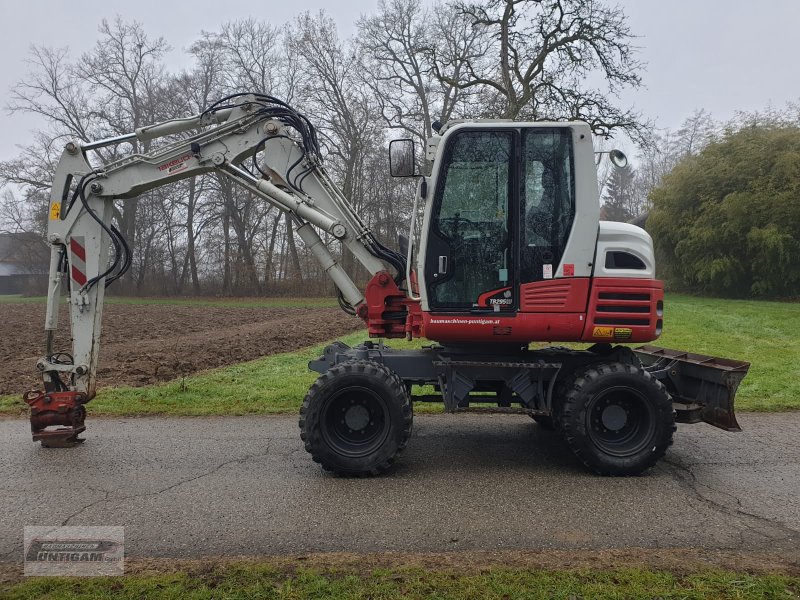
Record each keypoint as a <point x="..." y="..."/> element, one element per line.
<point x="555" y="295"/>
<point x="619" y="310"/>
<point x="502" y="328"/>
<point x="624" y="310"/>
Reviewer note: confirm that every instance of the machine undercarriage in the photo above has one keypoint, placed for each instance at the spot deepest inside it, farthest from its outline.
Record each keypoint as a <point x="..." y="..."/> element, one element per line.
<point x="542" y="383"/>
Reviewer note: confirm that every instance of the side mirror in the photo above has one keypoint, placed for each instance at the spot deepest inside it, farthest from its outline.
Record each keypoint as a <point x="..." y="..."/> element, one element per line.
<point x="401" y="158"/>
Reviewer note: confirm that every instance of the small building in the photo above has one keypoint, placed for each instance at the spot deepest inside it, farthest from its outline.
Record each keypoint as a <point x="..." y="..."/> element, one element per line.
<point x="24" y="262"/>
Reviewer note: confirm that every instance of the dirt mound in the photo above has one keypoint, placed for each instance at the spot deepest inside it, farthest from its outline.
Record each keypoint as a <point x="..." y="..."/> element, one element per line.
<point x="143" y="344"/>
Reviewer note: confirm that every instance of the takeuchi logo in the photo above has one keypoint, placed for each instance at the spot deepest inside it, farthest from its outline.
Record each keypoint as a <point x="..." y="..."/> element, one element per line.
<point x="174" y="162"/>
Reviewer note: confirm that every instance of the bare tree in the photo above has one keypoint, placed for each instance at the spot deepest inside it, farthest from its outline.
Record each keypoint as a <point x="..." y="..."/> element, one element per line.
<point x="245" y="55"/>
<point x="125" y="69"/>
<point x="112" y="89"/>
<point x="191" y="92"/>
<point x="404" y="44"/>
<point x="250" y="51"/>
<point x="661" y="150"/>
<point x="53" y="91"/>
<point x="544" y="53"/>
<point x="342" y="105"/>
<point x="126" y="79"/>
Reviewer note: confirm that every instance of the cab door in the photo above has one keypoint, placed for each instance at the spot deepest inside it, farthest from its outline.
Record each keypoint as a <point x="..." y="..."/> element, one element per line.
<point x="546" y="201"/>
<point x="469" y="264"/>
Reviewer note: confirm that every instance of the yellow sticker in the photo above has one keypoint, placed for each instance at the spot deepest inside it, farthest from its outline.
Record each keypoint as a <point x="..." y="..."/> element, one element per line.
<point x="603" y="332"/>
<point x="623" y="333"/>
<point x="55" y="211"/>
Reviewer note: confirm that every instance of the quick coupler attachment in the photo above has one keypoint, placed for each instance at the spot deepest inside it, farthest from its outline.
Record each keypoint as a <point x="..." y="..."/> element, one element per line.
<point x="62" y="410"/>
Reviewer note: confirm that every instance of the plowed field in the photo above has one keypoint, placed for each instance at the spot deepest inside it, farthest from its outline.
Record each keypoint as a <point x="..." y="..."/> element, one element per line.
<point x="143" y="344"/>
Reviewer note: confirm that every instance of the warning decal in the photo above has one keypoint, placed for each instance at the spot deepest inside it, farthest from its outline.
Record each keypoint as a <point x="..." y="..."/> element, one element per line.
<point x="55" y="211"/>
<point x="569" y="270"/>
<point x="77" y="259"/>
<point x="603" y="332"/>
<point x="176" y="165"/>
<point x="622" y="333"/>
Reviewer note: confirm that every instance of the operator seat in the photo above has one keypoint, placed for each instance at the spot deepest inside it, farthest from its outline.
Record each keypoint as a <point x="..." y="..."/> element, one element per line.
<point x="539" y="211"/>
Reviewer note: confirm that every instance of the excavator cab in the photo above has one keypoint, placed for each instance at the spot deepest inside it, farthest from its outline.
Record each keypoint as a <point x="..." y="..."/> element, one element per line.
<point x="501" y="214"/>
<point x="513" y="246"/>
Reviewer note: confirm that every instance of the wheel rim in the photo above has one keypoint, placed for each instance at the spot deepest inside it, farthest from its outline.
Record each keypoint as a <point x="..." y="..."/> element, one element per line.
<point x="356" y="421"/>
<point x="621" y="421"/>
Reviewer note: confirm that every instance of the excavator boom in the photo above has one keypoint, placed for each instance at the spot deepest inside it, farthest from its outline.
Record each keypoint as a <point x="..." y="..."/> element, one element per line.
<point x="256" y="141"/>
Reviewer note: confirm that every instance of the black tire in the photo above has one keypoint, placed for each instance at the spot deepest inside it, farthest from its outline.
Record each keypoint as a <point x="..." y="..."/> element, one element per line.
<point x="545" y="422"/>
<point x="356" y="418"/>
<point x="616" y="418"/>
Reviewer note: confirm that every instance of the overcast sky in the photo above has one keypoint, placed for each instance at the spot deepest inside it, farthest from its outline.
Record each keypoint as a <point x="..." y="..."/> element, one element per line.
<point x="721" y="55"/>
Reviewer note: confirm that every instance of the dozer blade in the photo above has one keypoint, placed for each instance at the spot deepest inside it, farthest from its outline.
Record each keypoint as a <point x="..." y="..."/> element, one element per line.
<point x="703" y="388"/>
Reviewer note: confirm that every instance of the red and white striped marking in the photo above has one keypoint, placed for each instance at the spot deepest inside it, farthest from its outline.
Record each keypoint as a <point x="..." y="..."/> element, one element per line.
<point x="77" y="260"/>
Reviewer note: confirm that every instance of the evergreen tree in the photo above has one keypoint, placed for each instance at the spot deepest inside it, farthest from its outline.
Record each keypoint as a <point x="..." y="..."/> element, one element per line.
<point x="620" y="200"/>
<point x="727" y="221"/>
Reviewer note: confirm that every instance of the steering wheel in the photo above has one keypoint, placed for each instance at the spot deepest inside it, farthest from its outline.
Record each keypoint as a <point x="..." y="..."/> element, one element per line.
<point x="487" y="237"/>
<point x="455" y="227"/>
<point x="456" y="220"/>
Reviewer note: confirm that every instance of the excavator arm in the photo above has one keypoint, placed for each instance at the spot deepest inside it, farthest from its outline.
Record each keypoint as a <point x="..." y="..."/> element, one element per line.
<point x="256" y="141"/>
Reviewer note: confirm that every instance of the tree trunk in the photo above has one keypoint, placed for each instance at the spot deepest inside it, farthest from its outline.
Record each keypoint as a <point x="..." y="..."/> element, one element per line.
<point x="296" y="272"/>
<point x="190" y="235"/>
<point x="270" y="263"/>
<point x="226" y="270"/>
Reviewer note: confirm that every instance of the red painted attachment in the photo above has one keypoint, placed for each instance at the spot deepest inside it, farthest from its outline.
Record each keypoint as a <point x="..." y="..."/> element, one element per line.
<point x="387" y="311"/>
<point x="53" y="409"/>
<point x="624" y="310"/>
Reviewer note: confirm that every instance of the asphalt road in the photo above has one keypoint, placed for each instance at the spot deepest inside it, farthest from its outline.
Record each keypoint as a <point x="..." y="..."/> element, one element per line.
<point x="244" y="486"/>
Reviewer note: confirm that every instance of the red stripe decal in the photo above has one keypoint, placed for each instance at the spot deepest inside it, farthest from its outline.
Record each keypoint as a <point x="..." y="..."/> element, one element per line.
<point x="77" y="249"/>
<point x="78" y="277"/>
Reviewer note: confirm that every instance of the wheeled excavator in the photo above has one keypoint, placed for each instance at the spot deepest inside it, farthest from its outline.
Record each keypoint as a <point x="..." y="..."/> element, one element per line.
<point x="511" y="253"/>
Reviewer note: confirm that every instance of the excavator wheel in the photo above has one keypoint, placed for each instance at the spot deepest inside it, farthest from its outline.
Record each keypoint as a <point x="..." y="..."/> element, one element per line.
<point x="616" y="418"/>
<point x="356" y="418"/>
<point x="546" y="422"/>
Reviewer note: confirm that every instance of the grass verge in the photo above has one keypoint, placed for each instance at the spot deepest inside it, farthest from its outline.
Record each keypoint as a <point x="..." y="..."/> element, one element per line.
<point x="247" y="580"/>
<point x="767" y="334"/>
